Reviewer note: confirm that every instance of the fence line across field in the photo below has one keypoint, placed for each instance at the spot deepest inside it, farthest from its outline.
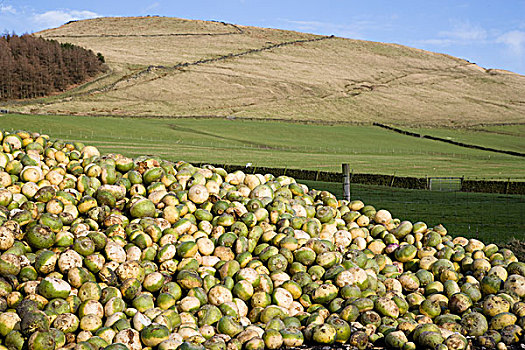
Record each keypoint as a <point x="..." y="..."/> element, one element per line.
<point x="168" y="147"/>
<point x="75" y="135"/>
<point x="463" y="213"/>
<point x="442" y="202"/>
<point x="448" y="184"/>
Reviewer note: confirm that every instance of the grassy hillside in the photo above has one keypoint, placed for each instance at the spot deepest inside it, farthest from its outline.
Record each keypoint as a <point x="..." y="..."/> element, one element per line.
<point x="169" y="66"/>
<point x="368" y="149"/>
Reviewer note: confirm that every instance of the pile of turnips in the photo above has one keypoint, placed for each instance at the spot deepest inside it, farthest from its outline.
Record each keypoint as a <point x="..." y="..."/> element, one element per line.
<point x="108" y="252"/>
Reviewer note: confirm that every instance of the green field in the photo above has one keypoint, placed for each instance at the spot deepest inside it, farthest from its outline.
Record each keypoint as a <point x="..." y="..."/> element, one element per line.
<point x="492" y="217"/>
<point x="367" y="149"/>
<point x="507" y="137"/>
<point x="489" y="217"/>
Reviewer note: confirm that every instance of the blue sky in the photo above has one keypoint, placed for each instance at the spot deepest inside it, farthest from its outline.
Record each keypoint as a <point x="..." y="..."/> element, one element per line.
<point x="489" y="33"/>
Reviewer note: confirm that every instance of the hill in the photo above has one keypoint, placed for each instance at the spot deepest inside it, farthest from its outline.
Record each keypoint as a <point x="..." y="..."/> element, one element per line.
<point x="176" y="67"/>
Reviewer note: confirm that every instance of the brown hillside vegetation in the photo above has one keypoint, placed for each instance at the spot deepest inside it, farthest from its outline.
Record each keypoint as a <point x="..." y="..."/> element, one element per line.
<point x="176" y="67"/>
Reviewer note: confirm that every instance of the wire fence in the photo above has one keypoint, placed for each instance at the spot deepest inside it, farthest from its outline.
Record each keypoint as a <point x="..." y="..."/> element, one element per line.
<point x="494" y="217"/>
<point x="113" y="140"/>
<point x="448" y="184"/>
<point x="487" y="216"/>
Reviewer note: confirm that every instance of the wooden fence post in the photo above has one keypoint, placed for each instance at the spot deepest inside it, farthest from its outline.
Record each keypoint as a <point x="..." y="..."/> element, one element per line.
<point x="346" y="181"/>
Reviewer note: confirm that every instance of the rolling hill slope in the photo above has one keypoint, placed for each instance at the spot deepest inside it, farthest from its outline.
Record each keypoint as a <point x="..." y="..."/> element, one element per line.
<point x="176" y="67"/>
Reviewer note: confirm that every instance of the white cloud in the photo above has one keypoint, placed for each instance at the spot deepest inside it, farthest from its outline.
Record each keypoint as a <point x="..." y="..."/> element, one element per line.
<point x="515" y="40"/>
<point x="7" y="9"/>
<point x="55" y="18"/>
<point x="153" y="6"/>
<point x="464" y="32"/>
<point x="438" y="42"/>
<point x="460" y="33"/>
<point x="353" y="30"/>
<point x="308" y="25"/>
<point x="508" y="46"/>
<point x="359" y="27"/>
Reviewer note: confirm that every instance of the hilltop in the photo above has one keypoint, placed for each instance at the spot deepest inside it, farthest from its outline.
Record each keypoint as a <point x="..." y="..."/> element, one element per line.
<point x="175" y="67"/>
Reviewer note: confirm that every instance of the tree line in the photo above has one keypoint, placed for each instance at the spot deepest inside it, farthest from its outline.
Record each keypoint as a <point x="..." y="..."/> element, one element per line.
<point x="32" y="66"/>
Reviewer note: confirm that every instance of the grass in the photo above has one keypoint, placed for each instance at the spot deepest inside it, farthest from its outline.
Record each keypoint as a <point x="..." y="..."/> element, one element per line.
<point x="508" y="137"/>
<point x="367" y="149"/>
<point x="488" y="217"/>
<point x="332" y="80"/>
<point x="491" y="217"/>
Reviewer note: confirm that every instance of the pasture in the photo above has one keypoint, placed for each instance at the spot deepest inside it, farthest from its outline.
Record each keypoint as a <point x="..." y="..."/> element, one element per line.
<point x="366" y="148"/>
<point x="369" y="149"/>
<point x="504" y="137"/>
<point x="486" y="216"/>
